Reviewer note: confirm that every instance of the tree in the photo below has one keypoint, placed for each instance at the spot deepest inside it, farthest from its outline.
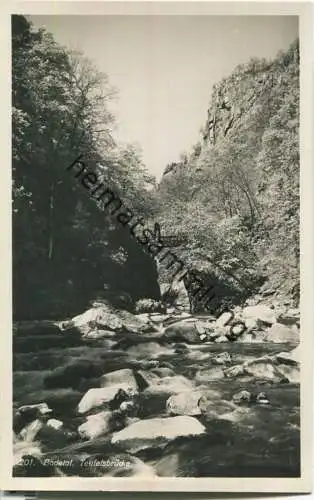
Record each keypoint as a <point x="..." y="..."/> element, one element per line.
<point x="59" y="110"/>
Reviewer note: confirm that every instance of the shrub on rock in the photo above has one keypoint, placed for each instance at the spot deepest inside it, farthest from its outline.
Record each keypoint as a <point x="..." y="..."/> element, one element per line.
<point x="149" y="306"/>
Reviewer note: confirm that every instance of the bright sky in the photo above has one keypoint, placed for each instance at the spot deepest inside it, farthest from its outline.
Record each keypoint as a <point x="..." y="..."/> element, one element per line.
<point x="165" y="67"/>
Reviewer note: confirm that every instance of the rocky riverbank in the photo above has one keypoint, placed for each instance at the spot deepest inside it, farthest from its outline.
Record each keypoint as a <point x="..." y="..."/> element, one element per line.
<point x="113" y="393"/>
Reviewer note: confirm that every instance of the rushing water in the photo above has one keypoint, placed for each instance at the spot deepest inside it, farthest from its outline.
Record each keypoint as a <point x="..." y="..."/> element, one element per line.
<point x="259" y="440"/>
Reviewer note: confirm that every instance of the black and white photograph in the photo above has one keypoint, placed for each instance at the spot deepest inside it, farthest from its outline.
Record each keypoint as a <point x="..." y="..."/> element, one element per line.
<point x="155" y="247"/>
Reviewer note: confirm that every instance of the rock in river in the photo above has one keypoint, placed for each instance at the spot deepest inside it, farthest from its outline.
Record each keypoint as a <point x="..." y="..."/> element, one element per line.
<point x="186" y="403"/>
<point x="224" y="319"/>
<point x="264" y="369"/>
<point x="235" y="371"/>
<point x="154" y="384"/>
<point x="125" y="378"/>
<point x="156" y="432"/>
<point x="221" y="339"/>
<point x="31" y="430"/>
<point x="96" y="397"/>
<point x="55" y="423"/>
<point x="242" y="397"/>
<point x="261" y="313"/>
<point x="223" y="358"/>
<point x="95" y="425"/>
<point x="184" y="330"/>
<point x="281" y="333"/>
<point x="101" y="317"/>
<point x="290" y="373"/>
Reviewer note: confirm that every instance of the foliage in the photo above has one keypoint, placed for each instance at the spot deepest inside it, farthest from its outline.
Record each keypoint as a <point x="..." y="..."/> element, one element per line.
<point x="63" y="247"/>
<point x="237" y="196"/>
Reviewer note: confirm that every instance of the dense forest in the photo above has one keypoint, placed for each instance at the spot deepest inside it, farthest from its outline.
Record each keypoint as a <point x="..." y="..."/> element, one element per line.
<point x="234" y="197"/>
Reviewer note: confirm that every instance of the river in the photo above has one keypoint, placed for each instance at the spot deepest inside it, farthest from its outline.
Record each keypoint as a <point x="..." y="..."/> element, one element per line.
<point x="256" y="441"/>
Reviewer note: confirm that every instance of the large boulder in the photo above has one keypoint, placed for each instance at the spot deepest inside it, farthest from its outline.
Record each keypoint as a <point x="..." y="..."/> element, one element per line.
<point x="290" y="364"/>
<point x="279" y="333"/>
<point x="163" y="385"/>
<point x="156" y="432"/>
<point x="96" y="425"/>
<point x="217" y="409"/>
<point x="163" y="371"/>
<point x="185" y="330"/>
<point x="260" y="314"/>
<point x="102" y="317"/>
<point x="185" y="403"/>
<point x="136" y="323"/>
<point x="98" y="396"/>
<point x="222" y="358"/>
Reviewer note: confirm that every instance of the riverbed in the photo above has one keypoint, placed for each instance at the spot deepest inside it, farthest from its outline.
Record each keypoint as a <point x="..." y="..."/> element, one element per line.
<point x="255" y="441"/>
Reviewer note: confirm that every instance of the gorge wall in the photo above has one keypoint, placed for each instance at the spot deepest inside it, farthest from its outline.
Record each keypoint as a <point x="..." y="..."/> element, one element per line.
<point x="236" y="194"/>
